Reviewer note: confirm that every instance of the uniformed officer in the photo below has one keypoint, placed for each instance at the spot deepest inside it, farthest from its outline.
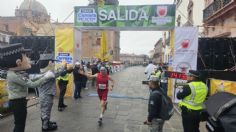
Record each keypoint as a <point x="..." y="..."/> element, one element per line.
<point x="192" y="95"/>
<point x="154" y="106"/>
<point x="14" y="59"/>
<point x="63" y="80"/>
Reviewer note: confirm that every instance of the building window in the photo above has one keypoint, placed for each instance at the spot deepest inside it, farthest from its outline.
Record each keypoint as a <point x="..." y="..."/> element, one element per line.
<point x="98" y="41"/>
<point x="222" y="22"/>
<point x="190" y="12"/>
<point x="178" y="20"/>
<point x="6" y="27"/>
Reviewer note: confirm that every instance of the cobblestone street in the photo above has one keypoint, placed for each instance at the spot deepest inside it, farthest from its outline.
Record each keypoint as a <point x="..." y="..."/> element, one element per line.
<point x="127" y="109"/>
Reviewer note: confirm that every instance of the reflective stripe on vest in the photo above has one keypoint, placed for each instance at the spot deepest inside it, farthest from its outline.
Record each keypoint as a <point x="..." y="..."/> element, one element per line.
<point x="64" y="78"/>
<point x="157" y="74"/>
<point x="198" y="95"/>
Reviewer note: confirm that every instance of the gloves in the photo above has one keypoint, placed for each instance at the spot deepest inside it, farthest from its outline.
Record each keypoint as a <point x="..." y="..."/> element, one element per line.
<point x="49" y="74"/>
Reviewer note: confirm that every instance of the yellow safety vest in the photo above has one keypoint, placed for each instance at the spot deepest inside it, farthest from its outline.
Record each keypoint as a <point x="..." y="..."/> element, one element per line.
<point x="198" y="95"/>
<point x="158" y="74"/>
<point x="64" y="78"/>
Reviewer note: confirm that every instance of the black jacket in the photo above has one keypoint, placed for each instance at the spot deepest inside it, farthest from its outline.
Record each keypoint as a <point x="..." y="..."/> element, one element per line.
<point x="77" y="76"/>
<point x="154" y="105"/>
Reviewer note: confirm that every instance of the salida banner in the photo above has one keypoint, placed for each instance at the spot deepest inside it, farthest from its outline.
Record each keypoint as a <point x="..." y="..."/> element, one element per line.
<point x="143" y="17"/>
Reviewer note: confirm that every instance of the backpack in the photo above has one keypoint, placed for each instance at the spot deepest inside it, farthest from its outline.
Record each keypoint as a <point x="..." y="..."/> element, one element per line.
<point x="167" y="107"/>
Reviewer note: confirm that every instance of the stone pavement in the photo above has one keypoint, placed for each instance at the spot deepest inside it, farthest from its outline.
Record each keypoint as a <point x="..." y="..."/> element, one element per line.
<point x="123" y="115"/>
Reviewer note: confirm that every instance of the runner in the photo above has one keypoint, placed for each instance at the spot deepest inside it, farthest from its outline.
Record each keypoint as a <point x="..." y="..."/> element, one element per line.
<point x="102" y="89"/>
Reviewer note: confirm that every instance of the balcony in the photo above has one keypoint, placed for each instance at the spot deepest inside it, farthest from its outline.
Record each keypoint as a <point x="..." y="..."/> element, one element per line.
<point x="214" y="8"/>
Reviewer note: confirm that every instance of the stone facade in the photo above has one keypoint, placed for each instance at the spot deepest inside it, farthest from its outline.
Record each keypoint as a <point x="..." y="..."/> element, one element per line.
<point x="27" y="20"/>
<point x="189" y="13"/>
<point x="220" y="18"/>
<point x="133" y="59"/>
<point x="91" y="45"/>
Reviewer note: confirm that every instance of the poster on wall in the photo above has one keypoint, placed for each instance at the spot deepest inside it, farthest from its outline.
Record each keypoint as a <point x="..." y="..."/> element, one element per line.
<point x="185" y="53"/>
<point x="146" y="17"/>
<point x="77" y="45"/>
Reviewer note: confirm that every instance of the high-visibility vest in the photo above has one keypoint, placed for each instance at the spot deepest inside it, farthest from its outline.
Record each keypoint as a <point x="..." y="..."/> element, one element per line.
<point x="158" y="74"/>
<point x="195" y="100"/>
<point x="64" y="78"/>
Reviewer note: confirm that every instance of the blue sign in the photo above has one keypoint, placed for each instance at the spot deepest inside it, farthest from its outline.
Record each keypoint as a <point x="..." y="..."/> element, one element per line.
<point x="87" y="15"/>
<point x="64" y="56"/>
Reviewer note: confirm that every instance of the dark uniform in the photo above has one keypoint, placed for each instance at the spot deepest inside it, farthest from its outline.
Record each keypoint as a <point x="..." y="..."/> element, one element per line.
<point x="154" y="108"/>
<point x="63" y="80"/>
<point x="193" y="95"/>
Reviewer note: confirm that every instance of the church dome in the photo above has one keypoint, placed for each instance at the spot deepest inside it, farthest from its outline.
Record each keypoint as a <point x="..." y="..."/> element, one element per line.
<point x="33" y="5"/>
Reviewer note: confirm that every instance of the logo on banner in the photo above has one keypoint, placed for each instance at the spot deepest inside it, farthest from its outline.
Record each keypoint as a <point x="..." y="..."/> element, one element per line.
<point x="87" y="15"/>
<point x="77" y="45"/>
<point x="183" y="67"/>
<point x="161" y="16"/>
<point x="185" y="44"/>
<point x="161" y="11"/>
<point x="64" y="56"/>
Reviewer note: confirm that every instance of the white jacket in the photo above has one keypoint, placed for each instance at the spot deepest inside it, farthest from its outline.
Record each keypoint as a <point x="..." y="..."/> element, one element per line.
<point x="149" y="70"/>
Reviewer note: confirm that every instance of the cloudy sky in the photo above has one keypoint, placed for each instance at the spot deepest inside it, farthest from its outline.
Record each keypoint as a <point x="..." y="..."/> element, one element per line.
<point x="131" y="41"/>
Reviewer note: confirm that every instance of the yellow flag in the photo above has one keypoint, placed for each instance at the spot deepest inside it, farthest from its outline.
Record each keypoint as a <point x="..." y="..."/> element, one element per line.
<point x="103" y="55"/>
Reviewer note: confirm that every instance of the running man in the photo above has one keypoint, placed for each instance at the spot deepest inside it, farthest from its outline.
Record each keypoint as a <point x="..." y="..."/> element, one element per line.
<point x="102" y="89"/>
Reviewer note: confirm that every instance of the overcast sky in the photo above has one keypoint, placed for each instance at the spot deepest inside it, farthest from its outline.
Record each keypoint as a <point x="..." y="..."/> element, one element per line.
<point x="131" y="42"/>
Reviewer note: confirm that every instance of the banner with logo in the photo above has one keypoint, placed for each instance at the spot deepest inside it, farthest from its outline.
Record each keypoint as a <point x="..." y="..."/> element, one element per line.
<point x="222" y="86"/>
<point x="77" y="45"/>
<point x="185" y="52"/>
<point x="64" y="50"/>
<point x="143" y="17"/>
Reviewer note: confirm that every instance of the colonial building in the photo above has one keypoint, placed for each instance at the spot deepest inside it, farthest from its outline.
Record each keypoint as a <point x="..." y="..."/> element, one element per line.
<point x="189" y="13"/>
<point x="220" y="18"/>
<point x="27" y="20"/>
<point x="158" y="52"/>
<point x="91" y="45"/>
<point x="133" y="59"/>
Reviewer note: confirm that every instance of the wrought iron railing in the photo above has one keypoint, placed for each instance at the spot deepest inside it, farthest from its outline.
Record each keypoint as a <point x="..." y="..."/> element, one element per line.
<point x="214" y="7"/>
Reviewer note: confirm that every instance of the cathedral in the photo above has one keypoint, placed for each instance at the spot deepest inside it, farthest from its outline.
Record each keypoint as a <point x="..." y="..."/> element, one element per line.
<point x="27" y="20"/>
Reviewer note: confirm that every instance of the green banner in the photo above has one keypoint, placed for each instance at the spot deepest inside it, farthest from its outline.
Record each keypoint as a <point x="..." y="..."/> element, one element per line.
<point x="144" y="17"/>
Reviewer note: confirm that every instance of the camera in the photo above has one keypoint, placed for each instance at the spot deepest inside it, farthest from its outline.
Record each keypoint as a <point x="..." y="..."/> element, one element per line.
<point x="145" y="82"/>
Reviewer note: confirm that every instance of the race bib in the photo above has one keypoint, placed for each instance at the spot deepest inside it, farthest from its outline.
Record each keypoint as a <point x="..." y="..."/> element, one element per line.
<point x="102" y="86"/>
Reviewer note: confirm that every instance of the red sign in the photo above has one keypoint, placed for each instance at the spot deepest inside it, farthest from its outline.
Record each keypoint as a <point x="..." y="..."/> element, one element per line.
<point x="162" y="11"/>
<point x="176" y="75"/>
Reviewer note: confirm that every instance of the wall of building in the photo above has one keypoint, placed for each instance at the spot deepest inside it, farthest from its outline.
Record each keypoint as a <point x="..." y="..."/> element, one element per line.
<point x="223" y="29"/>
<point x="132" y="58"/>
<point x="14" y="24"/>
<point x="182" y="11"/>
